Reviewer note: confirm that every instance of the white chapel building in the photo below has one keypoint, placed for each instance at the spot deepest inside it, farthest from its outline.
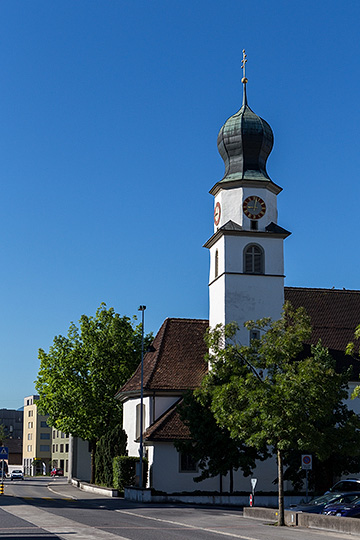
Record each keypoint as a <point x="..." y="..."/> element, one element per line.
<point x="246" y="281"/>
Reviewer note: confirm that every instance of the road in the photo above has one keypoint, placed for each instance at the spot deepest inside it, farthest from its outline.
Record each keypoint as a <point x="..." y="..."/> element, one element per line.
<point x="42" y="509"/>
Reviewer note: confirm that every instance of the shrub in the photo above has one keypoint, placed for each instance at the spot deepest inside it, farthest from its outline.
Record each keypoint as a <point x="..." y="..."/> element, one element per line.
<point x="124" y="471"/>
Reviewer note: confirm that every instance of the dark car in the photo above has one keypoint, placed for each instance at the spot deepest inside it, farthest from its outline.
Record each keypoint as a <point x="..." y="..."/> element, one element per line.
<point x="317" y="505"/>
<point x="344" y="509"/>
<point x="57" y="471"/>
<point x="350" y="484"/>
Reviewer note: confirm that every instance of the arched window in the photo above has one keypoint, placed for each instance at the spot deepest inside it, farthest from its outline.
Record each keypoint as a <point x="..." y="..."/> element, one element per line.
<point x="216" y="263"/>
<point x="254" y="259"/>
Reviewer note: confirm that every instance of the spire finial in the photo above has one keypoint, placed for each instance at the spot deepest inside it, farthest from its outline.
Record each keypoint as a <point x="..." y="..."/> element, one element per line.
<point x="243" y="62"/>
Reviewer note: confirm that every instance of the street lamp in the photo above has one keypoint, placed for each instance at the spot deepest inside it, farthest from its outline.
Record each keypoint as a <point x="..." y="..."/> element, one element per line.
<point x="142" y="309"/>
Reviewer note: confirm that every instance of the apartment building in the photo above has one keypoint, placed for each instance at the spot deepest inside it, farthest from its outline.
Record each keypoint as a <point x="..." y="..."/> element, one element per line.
<point x="60" y="450"/>
<point x="36" y="439"/>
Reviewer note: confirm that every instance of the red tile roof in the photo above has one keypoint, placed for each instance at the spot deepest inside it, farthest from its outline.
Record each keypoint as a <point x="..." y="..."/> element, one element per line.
<point x="334" y="313"/>
<point x="177" y="362"/>
<point x="168" y="427"/>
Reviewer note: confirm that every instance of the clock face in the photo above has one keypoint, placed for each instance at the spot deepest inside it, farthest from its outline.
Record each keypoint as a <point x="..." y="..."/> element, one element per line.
<point x="254" y="207"/>
<point x="217" y="213"/>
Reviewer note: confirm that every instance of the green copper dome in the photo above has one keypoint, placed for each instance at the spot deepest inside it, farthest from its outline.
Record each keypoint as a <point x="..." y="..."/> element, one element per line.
<point x="245" y="142"/>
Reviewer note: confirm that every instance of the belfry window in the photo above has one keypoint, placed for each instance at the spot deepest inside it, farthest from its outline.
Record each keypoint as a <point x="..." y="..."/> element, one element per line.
<point x="254" y="259"/>
<point x="216" y="263"/>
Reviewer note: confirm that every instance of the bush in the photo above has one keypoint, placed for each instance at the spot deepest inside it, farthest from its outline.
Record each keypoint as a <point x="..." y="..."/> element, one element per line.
<point x="124" y="471"/>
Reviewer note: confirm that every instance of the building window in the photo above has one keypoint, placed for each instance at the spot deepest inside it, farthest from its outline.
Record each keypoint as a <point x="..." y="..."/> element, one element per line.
<point x="44" y="448"/>
<point x="53" y="448"/>
<point x="43" y="423"/>
<point x="30" y="425"/>
<point x="57" y="448"/>
<point x="187" y="463"/>
<point x="254" y="225"/>
<point x="44" y="435"/>
<point x="29" y="447"/>
<point x="61" y="448"/>
<point x="62" y="435"/>
<point x="254" y="259"/>
<point x="66" y="447"/>
<point x="30" y="413"/>
<point x="254" y="334"/>
<point x="138" y="411"/>
<point x="29" y="436"/>
<point x="216" y="263"/>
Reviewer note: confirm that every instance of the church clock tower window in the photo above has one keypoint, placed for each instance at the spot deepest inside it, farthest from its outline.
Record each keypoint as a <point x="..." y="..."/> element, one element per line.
<point x="254" y="259"/>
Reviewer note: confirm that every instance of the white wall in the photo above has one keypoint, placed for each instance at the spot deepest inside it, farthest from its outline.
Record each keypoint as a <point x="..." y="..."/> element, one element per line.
<point x="167" y="477"/>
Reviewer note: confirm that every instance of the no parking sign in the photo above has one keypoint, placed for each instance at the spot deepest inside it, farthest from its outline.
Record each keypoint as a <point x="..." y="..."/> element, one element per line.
<point x="306" y="461"/>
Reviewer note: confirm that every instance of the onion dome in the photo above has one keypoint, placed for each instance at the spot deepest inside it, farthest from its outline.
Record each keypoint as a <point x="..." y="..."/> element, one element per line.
<point x="245" y="142"/>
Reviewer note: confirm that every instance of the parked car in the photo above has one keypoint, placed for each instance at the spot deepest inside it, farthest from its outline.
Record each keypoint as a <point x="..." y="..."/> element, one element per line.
<point x="57" y="471"/>
<point x="344" y="509"/>
<point x="17" y="474"/>
<point x="317" y="505"/>
<point x="350" y="484"/>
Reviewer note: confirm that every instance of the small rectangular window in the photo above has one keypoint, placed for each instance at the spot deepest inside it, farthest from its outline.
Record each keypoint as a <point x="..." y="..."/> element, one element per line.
<point x="29" y="436"/>
<point x="29" y="448"/>
<point x="187" y="463"/>
<point x="44" y="435"/>
<point x="138" y="420"/>
<point x="30" y="413"/>
<point x="254" y="334"/>
<point x="44" y="448"/>
<point x="254" y="225"/>
<point x="61" y="448"/>
<point x="30" y="425"/>
<point x="43" y="423"/>
<point x="66" y="447"/>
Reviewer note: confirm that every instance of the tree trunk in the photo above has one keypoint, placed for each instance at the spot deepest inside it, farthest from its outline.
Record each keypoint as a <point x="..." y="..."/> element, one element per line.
<point x="281" y="521"/>
<point x="231" y="481"/>
<point x="221" y="484"/>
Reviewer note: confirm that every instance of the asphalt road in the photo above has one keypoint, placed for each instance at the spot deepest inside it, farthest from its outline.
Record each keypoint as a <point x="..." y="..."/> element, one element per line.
<point x="43" y="508"/>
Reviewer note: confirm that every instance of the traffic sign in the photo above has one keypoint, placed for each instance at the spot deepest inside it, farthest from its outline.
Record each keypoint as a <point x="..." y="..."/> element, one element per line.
<point x="306" y="461"/>
<point x="253" y="483"/>
<point x="4" y="452"/>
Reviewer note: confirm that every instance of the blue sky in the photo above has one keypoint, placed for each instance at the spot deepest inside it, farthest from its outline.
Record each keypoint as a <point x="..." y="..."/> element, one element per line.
<point x="109" y="115"/>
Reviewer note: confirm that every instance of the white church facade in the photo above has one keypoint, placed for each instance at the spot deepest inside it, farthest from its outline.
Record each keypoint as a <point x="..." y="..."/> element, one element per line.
<point x="246" y="281"/>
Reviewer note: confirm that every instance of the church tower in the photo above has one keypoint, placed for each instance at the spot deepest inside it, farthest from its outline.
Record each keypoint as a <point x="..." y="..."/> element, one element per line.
<point x="246" y="250"/>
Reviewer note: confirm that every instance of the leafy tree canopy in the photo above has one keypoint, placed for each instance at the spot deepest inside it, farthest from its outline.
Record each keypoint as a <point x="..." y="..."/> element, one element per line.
<point x="211" y="445"/>
<point x="271" y="393"/>
<point x="81" y="373"/>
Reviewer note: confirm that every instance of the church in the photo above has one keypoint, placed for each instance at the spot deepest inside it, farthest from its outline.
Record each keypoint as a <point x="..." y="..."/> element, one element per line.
<point x="246" y="281"/>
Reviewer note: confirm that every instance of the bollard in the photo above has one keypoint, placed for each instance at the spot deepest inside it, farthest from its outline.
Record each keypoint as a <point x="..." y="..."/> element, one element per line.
<point x="251" y="499"/>
<point x="2" y="488"/>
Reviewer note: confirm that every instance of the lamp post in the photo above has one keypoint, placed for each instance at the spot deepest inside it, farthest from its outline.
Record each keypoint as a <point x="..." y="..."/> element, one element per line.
<point x="142" y="309"/>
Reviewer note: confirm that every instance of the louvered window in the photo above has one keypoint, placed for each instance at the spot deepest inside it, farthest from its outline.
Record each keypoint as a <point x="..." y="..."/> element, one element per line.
<point x="253" y="259"/>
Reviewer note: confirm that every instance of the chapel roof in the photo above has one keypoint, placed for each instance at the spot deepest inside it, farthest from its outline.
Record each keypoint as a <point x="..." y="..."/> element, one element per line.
<point x="334" y="313"/>
<point x="168" y="427"/>
<point x="176" y="360"/>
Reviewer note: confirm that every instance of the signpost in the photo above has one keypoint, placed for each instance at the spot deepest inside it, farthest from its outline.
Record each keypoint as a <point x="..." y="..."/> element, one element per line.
<point x="252" y="495"/>
<point x="306" y="464"/>
<point x="4" y="454"/>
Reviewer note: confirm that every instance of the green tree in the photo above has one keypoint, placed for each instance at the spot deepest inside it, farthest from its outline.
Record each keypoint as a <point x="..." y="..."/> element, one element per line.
<point x="270" y="393"/>
<point x="81" y="373"/>
<point x="111" y="445"/>
<point x="211" y="445"/>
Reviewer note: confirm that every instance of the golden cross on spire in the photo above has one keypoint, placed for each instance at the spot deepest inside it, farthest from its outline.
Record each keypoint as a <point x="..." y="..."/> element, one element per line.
<point x="243" y="62"/>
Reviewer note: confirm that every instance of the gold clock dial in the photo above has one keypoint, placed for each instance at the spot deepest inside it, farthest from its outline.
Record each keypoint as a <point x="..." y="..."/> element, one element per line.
<point x="254" y="207"/>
